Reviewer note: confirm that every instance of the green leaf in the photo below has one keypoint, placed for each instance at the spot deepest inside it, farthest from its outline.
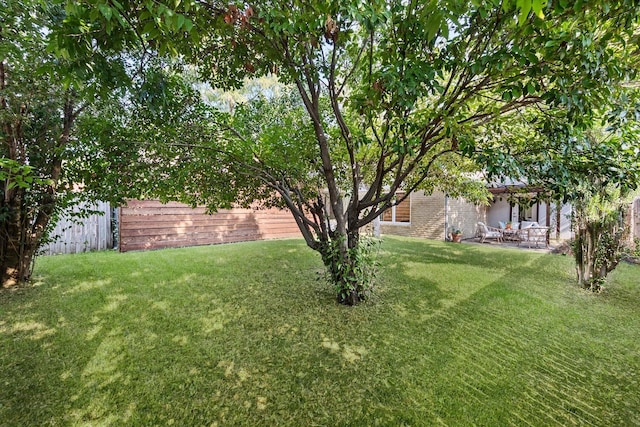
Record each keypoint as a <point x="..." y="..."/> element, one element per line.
<point x="180" y="21"/>
<point x="525" y="8"/>
<point x="150" y="28"/>
<point x="531" y="88"/>
<point x="433" y="24"/>
<point x="516" y="92"/>
<point x="537" y="6"/>
<point x="106" y="11"/>
<point x="188" y="25"/>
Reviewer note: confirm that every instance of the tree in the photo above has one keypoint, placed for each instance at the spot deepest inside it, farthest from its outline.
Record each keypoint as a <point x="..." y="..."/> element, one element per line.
<point x="41" y="98"/>
<point x="391" y="88"/>
<point x="36" y="117"/>
<point x="598" y="179"/>
<point x="606" y="164"/>
<point x="155" y="141"/>
<point x="596" y="169"/>
<point x="599" y="217"/>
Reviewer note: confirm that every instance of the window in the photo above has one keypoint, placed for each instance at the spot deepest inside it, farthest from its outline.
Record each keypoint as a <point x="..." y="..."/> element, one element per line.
<point x="526" y="213"/>
<point x="399" y="213"/>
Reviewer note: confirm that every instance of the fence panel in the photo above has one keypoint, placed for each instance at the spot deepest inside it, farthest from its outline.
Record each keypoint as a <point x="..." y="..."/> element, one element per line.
<point x="149" y="224"/>
<point x="636" y="218"/>
<point x="90" y="234"/>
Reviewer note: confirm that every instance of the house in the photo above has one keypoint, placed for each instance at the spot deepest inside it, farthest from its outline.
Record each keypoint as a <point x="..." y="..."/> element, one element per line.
<point x="435" y="215"/>
<point x="152" y="225"/>
<point x="516" y="202"/>
<point x="431" y="216"/>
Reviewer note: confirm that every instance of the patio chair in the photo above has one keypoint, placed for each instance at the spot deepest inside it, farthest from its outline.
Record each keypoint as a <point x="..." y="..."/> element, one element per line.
<point x="485" y="232"/>
<point x="534" y="235"/>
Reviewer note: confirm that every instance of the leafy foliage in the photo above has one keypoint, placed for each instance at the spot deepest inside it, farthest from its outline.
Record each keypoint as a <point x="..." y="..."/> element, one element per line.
<point x="598" y="244"/>
<point x="35" y="118"/>
<point x="360" y="274"/>
<point x="44" y="91"/>
<point x="393" y="90"/>
<point x="596" y="169"/>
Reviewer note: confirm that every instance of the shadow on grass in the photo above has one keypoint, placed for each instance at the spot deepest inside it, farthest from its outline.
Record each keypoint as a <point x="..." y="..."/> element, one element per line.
<point x="246" y="335"/>
<point x="508" y="349"/>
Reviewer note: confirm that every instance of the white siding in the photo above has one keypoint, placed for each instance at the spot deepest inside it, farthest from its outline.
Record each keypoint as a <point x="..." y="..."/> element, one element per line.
<point x="498" y="211"/>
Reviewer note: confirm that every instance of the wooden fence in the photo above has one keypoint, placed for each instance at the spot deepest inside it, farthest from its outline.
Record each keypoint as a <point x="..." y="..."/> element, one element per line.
<point x="150" y="224"/>
<point x="89" y="234"/>
<point x="635" y="218"/>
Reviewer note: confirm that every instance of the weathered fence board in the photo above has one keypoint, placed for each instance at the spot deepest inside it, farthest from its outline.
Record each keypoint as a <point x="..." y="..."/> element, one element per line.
<point x="149" y="224"/>
<point x="635" y="231"/>
<point x="90" y="234"/>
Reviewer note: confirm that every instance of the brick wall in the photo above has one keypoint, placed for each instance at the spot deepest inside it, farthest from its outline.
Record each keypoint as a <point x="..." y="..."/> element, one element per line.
<point x="466" y="216"/>
<point x="428" y="217"/>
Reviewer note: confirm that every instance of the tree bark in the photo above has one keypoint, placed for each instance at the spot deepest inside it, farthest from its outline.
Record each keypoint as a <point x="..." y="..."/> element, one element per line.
<point x="17" y="249"/>
<point x="347" y="268"/>
<point x="585" y="257"/>
<point x="597" y="248"/>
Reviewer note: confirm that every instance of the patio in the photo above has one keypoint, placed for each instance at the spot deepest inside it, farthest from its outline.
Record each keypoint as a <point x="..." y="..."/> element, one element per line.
<point x="531" y="236"/>
<point x="554" y="245"/>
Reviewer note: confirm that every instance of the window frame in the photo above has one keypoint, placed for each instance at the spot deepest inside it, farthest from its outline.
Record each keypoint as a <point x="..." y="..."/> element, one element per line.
<point x="392" y="210"/>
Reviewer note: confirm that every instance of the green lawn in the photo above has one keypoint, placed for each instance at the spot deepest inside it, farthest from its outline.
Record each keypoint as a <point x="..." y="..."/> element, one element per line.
<point x="246" y="334"/>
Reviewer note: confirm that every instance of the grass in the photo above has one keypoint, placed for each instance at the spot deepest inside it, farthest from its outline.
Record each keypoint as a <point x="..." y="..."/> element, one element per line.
<point x="245" y="334"/>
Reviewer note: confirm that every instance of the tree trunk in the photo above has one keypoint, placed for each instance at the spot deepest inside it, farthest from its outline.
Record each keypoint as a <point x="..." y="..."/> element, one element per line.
<point x="16" y="263"/>
<point x="347" y="267"/>
<point x="597" y="248"/>
<point x="349" y="261"/>
<point x="585" y="248"/>
<point x="17" y="249"/>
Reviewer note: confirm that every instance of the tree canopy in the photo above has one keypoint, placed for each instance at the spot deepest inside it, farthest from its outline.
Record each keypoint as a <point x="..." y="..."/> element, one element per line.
<point x="392" y="90"/>
<point x="596" y="169"/>
<point x="43" y="93"/>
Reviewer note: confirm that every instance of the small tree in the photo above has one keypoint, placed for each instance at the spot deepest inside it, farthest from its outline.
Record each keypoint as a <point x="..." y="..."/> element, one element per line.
<point x="599" y="234"/>
<point x="41" y="98"/>
<point x="596" y="170"/>
<point x="36" y="117"/>
<point x="606" y="173"/>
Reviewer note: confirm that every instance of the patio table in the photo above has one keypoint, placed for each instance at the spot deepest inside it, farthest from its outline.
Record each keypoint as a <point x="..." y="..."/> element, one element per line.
<point x="510" y="234"/>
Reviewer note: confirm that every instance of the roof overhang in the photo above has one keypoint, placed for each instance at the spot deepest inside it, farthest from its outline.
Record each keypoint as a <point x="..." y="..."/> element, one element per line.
<point x="515" y="188"/>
